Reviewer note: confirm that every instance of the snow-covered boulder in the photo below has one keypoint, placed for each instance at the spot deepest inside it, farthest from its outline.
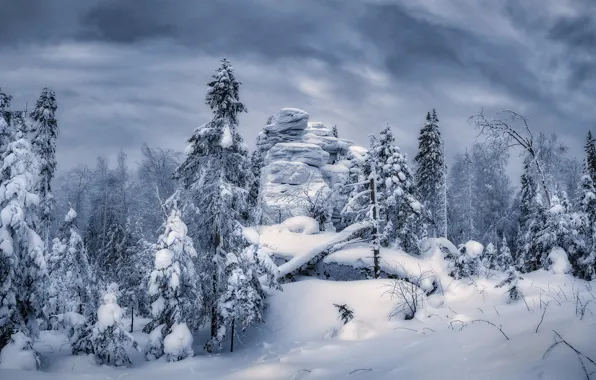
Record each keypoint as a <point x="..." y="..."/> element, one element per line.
<point x="288" y="120"/>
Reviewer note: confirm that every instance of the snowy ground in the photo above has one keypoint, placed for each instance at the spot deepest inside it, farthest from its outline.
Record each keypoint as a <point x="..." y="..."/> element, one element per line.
<point x="304" y="339"/>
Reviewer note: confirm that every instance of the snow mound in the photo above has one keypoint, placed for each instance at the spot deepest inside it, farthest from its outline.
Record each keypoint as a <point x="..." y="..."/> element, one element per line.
<point x="355" y="330"/>
<point x="178" y="343"/>
<point x="109" y="313"/>
<point x="559" y="261"/>
<point x="163" y="258"/>
<point x="473" y="248"/>
<point x="19" y="354"/>
<point x="301" y="225"/>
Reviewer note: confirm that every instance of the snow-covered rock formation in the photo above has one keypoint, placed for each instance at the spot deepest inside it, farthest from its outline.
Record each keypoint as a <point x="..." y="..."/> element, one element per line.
<point x="302" y="162"/>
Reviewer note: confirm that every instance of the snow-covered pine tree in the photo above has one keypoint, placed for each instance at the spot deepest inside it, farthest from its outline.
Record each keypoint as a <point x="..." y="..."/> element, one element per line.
<point x="431" y="173"/>
<point x="6" y="132"/>
<point x="504" y="258"/>
<point x="243" y="302"/>
<point x="586" y="265"/>
<point x="71" y="279"/>
<point x="489" y="256"/>
<point x="531" y="222"/>
<point x="461" y="200"/>
<point x="45" y="131"/>
<point x="403" y="214"/>
<point x="173" y="289"/>
<point x="216" y="176"/>
<point x="23" y="271"/>
<point x="590" y="149"/>
<point x="462" y="264"/>
<point x="109" y="339"/>
<point x="334" y="131"/>
<point x="512" y="280"/>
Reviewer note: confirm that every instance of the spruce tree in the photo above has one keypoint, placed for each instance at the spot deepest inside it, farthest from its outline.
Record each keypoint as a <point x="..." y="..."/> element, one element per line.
<point x="504" y="259"/>
<point x="512" y="283"/>
<point x="403" y="214"/>
<point x="531" y="221"/>
<point x="590" y="149"/>
<point x="173" y="290"/>
<point x="45" y="131"/>
<point x="586" y="265"/>
<point x="431" y="176"/>
<point x="23" y="271"/>
<point x="71" y="278"/>
<point x="489" y="256"/>
<point x="461" y="198"/>
<point x="6" y="131"/>
<point x="216" y="176"/>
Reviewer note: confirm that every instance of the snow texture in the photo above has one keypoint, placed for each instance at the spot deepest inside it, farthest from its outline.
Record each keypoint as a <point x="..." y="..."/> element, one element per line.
<point x="559" y="261"/>
<point x="301" y="225"/>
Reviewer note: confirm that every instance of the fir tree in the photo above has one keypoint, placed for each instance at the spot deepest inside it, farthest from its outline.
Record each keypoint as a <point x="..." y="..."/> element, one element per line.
<point x="431" y="173"/>
<point x="6" y="131"/>
<point x="174" y="294"/>
<point x="345" y="313"/>
<point x="243" y="301"/>
<point x="71" y="276"/>
<point x="23" y="272"/>
<point x="512" y="281"/>
<point x="489" y="257"/>
<point x="107" y="339"/>
<point x="45" y="131"/>
<point x="335" y="132"/>
<point x="590" y="149"/>
<point x="216" y="177"/>
<point x="462" y="264"/>
<point x="504" y="259"/>
<point x="531" y="222"/>
<point x="403" y="214"/>
<point x="461" y="198"/>
<point x="586" y="265"/>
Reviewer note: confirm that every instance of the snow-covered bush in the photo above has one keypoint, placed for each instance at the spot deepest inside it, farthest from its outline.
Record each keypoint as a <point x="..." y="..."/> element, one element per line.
<point x="466" y="262"/>
<point x="409" y="298"/>
<point x="512" y="282"/>
<point x="107" y="339"/>
<point x="559" y="262"/>
<point x="19" y="353"/>
<point x="178" y="344"/>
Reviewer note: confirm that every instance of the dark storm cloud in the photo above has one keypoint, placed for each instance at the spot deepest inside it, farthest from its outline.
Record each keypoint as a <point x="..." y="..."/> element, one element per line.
<point x="130" y="71"/>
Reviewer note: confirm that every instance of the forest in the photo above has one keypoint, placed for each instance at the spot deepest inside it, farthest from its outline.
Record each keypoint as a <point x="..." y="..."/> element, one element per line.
<point x="187" y="254"/>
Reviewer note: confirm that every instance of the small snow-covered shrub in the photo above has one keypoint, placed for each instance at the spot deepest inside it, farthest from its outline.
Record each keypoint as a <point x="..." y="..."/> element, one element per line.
<point x="19" y="353"/>
<point x="466" y="262"/>
<point x="178" y="344"/>
<point x="512" y="280"/>
<point x="154" y="347"/>
<point x="345" y="313"/>
<point x="409" y="298"/>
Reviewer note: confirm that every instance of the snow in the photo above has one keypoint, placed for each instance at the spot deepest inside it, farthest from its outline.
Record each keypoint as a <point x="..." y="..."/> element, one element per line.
<point x="163" y="258"/>
<point x="70" y="216"/>
<point x="109" y="313"/>
<point x="559" y="261"/>
<point x="17" y="355"/>
<point x="226" y="139"/>
<point x="179" y="341"/>
<point x="301" y="225"/>
<point x="474" y="248"/>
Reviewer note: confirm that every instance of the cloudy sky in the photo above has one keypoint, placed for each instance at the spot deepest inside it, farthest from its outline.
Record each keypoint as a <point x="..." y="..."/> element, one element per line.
<point x="129" y="72"/>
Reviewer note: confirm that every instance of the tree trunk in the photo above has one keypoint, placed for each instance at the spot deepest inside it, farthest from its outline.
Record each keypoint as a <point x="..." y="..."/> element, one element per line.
<point x="132" y="318"/>
<point x="232" y="335"/>
<point x="375" y="231"/>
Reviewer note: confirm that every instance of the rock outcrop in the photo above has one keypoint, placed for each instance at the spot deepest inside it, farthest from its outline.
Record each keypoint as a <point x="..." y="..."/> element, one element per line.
<point x="302" y="162"/>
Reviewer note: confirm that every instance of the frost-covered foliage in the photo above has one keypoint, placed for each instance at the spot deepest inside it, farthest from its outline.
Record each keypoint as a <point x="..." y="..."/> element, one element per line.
<point x="243" y="301"/>
<point x="586" y="265"/>
<point x="345" y="313"/>
<point x="489" y="257"/>
<point x="216" y="176"/>
<point x="465" y="263"/>
<point x="107" y="339"/>
<point x="173" y="288"/>
<point x="23" y="271"/>
<point x="71" y="277"/>
<point x="431" y="173"/>
<point x="590" y="149"/>
<point x="512" y="282"/>
<point x="45" y="131"/>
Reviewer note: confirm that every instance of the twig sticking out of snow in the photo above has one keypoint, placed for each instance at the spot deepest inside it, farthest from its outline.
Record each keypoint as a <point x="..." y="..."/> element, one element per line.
<point x="542" y="319"/>
<point x="558" y="340"/>
<point x="464" y="324"/>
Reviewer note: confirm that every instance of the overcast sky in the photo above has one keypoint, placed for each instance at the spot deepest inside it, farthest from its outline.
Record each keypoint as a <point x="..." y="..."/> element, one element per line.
<point x="133" y="71"/>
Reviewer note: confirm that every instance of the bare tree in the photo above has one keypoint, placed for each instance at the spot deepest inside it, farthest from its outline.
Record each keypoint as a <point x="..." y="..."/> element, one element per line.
<point x="512" y="128"/>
